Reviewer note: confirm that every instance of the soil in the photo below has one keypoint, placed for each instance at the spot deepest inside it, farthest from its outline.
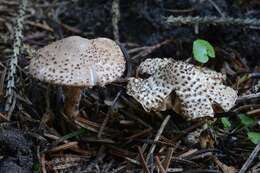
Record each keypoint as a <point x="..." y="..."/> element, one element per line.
<point x="112" y="125"/>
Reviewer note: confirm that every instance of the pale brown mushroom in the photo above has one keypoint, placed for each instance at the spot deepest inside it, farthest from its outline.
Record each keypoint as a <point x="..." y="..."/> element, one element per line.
<point x="197" y="89"/>
<point x="75" y="63"/>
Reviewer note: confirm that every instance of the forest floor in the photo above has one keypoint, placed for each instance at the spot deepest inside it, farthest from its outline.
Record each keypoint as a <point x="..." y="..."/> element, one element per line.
<point x="114" y="134"/>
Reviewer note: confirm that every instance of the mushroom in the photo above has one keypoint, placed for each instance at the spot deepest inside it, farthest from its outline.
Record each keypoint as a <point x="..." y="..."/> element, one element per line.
<point x="76" y="63"/>
<point x="197" y="89"/>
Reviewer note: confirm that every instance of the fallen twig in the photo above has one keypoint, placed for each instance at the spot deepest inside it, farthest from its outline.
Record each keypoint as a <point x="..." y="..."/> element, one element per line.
<point x="2" y="79"/>
<point x="142" y="159"/>
<point x="157" y="137"/>
<point x="213" y="3"/>
<point x="256" y="111"/>
<point x="248" y="97"/>
<point x="146" y="50"/>
<point x="63" y="147"/>
<point x="10" y="93"/>
<point x="190" y="20"/>
<point x="108" y="115"/>
<point x="224" y="167"/>
<point x="43" y="163"/>
<point x="159" y="164"/>
<point x="115" y="9"/>
<point x="250" y="159"/>
<point x="167" y="161"/>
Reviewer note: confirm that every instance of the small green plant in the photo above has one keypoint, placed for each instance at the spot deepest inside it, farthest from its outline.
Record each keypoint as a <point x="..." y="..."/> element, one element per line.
<point x="254" y="137"/>
<point x="36" y="167"/>
<point x="226" y="123"/>
<point x="247" y="123"/>
<point x="202" y="51"/>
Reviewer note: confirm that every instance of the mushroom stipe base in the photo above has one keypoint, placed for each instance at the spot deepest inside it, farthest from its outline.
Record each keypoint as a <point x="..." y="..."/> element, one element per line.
<point x="72" y="99"/>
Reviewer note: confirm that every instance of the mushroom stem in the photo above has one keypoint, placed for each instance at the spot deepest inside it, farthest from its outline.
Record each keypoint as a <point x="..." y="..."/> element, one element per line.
<point x="72" y="99"/>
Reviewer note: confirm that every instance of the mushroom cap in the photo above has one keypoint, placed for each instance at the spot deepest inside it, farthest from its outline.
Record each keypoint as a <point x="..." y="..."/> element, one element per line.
<point x="197" y="89"/>
<point x="152" y="94"/>
<point x="77" y="61"/>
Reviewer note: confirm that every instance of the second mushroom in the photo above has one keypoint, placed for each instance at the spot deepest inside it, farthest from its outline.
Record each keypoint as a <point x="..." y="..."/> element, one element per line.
<point x="197" y="89"/>
<point x="76" y="63"/>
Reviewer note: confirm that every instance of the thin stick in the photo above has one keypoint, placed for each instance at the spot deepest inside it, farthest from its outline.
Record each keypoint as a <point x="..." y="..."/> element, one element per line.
<point x="159" y="164"/>
<point x="10" y="92"/>
<point x="250" y="159"/>
<point x="43" y="162"/>
<point x="157" y="137"/>
<point x="248" y="97"/>
<point x="142" y="159"/>
<point x="145" y="131"/>
<point x="103" y="125"/>
<point x="166" y="163"/>
<point x="136" y="118"/>
<point x="2" y="79"/>
<point x="146" y="50"/>
<point x="190" y="20"/>
<point x="108" y="115"/>
<point x="256" y="111"/>
<point x="115" y="9"/>
<point x="63" y="147"/>
<point x="217" y="8"/>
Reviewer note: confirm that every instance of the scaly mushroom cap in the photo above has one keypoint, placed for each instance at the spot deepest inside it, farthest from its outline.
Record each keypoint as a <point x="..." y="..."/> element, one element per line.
<point x="76" y="61"/>
<point x="196" y="88"/>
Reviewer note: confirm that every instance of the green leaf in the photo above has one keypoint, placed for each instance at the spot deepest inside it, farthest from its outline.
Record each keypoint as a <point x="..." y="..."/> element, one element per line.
<point x="246" y="121"/>
<point x="36" y="167"/>
<point x="226" y="123"/>
<point x="254" y="137"/>
<point x="202" y="50"/>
